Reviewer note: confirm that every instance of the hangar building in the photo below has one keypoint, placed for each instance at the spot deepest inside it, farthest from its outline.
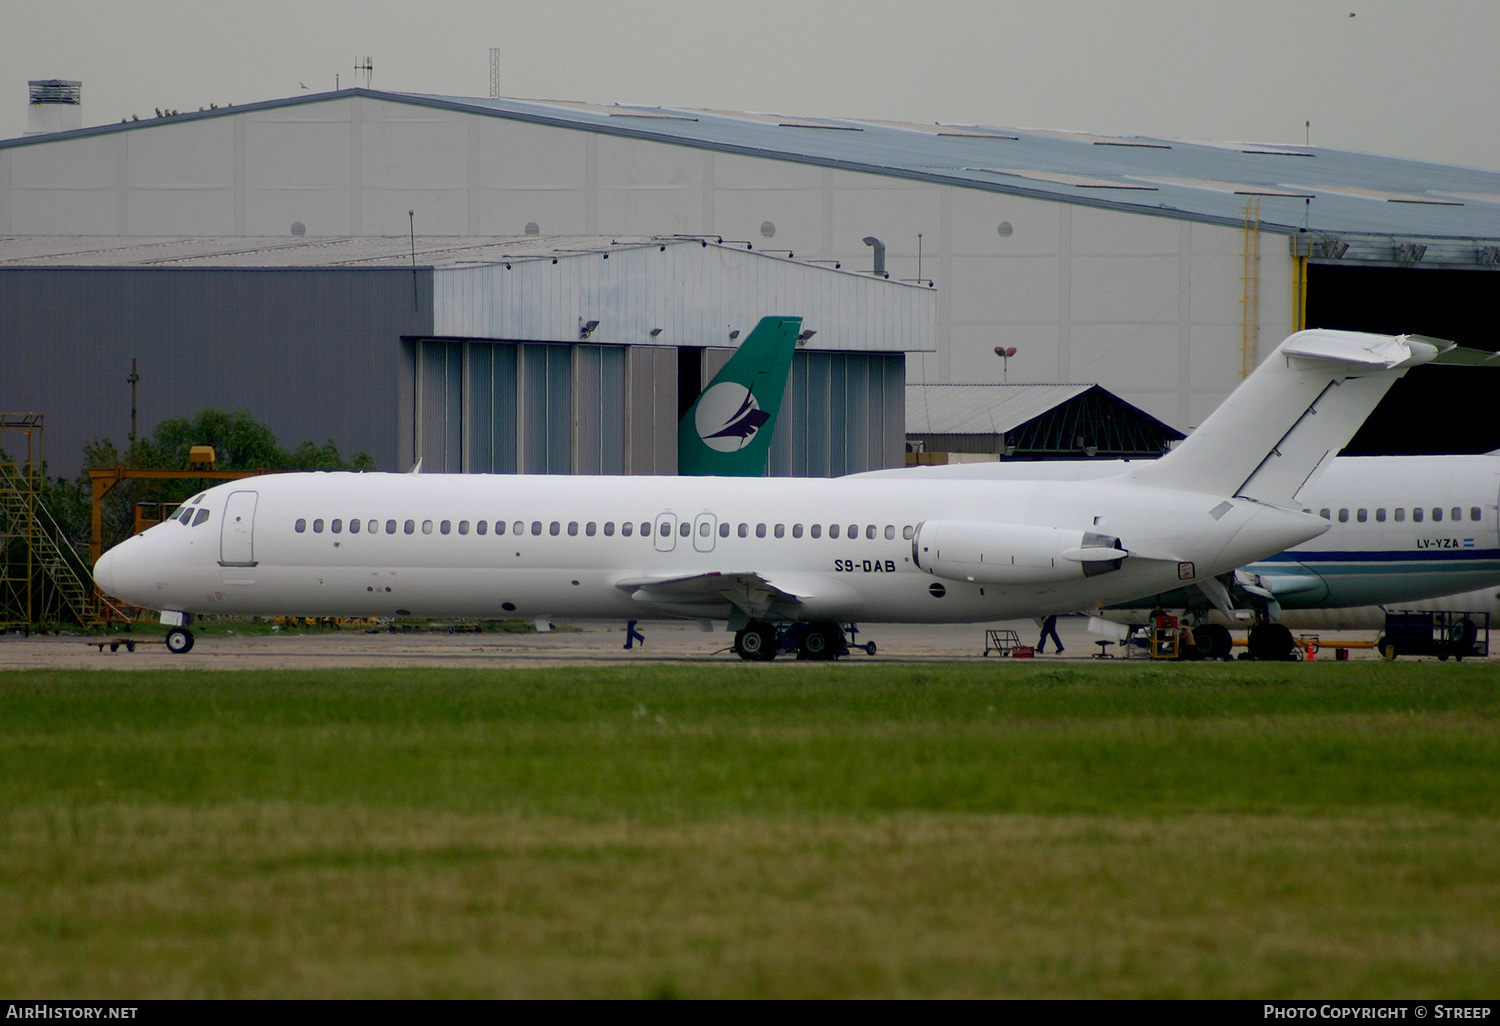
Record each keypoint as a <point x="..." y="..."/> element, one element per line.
<point x="1159" y="268"/>
<point x="542" y="355"/>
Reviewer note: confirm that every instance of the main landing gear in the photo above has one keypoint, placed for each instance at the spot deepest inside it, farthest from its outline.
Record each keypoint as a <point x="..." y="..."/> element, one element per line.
<point x="179" y="640"/>
<point x="761" y="641"/>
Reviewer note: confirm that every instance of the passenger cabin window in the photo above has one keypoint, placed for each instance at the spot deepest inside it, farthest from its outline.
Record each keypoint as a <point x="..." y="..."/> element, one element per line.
<point x="410" y="527"/>
<point x="890" y="532"/>
<point x="724" y="530"/>
<point x="609" y="528"/>
<point x="1380" y="515"/>
<point x="833" y="530"/>
<point x="703" y="530"/>
<point x="554" y="528"/>
<point x="483" y="526"/>
<point x="1457" y="513"/>
<point x="354" y="526"/>
<point x="1416" y="514"/>
<point x="427" y="527"/>
<point x="1343" y="516"/>
<point x="744" y="530"/>
<point x="446" y="527"/>
<point x="870" y="532"/>
<point x="779" y="530"/>
<point x="463" y="526"/>
<point x="796" y="530"/>
<point x="390" y="527"/>
<point x="853" y="531"/>
<point x="300" y="526"/>
<point x="591" y="529"/>
<point x="572" y="529"/>
<point x="626" y="528"/>
<point x="816" y="530"/>
<point x="317" y="527"/>
<point x="373" y="527"/>
<point x="1400" y="514"/>
<point x="1325" y="514"/>
<point x="1473" y="512"/>
<point x="646" y="529"/>
<point x="536" y="527"/>
<point x="683" y="529"/>
<point x="760" y="530"/>
<point x="1437" y="514"/>
<point x="908" y="531"/>
<point x="1362" y="515"/>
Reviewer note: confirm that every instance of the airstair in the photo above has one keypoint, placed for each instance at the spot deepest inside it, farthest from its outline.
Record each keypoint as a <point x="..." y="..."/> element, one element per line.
<point x="44" y="582"/>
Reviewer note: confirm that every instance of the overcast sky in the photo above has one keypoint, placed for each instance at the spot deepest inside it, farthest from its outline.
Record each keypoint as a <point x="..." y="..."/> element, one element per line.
<point x="1413" y="78"/>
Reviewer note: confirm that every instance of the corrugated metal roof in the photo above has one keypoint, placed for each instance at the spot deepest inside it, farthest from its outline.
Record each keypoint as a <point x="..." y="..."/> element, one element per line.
<point x="1132" y="173"/>
<point x="981" y="409"/>
<point x="1424" y="201"/>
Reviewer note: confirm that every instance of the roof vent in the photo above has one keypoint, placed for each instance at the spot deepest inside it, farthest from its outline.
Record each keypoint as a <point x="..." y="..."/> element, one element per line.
<point x="56" y="106"/>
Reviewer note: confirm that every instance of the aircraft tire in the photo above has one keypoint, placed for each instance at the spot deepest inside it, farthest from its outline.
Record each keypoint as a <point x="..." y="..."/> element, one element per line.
<point x="1214" y="641"/>
<point x="756" y="642"/>
<point x="179" y="641"/>
<point x="1271" y="642"/>
<point x="821" y="641"/>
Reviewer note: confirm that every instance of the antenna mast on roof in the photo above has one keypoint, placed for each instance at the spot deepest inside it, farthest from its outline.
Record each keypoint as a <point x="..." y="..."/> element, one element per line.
<point x="368" y="67"/>
<point x="494" y="71"/>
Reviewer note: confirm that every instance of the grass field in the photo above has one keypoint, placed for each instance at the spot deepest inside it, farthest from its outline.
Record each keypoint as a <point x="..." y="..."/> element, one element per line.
<point x="1225" y="830"/>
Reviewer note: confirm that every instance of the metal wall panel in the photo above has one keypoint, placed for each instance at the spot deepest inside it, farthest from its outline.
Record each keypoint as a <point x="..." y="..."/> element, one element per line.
<point x="842" y="413"/>
<point x="695" y="293"/>
<point x="652" y="421"/>
<point x="313" y="354"/>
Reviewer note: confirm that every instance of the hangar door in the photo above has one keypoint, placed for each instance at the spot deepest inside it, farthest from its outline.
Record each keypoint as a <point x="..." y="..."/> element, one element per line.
<point x="540" y="408"/>
<point x="557" y="408"/>
<point x="1431" y="409"/>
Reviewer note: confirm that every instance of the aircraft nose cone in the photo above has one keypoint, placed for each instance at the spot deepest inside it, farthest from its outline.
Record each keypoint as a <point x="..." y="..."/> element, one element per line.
<point x="104" y="573"/>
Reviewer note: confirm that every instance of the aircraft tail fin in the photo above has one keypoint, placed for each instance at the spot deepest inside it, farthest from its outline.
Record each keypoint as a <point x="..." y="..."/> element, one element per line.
<point x="727" y="430"/>
<point x="1294" y="413"/>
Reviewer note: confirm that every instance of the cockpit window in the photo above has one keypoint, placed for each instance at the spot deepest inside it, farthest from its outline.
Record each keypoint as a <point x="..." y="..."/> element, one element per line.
<point x="201" y="517"/>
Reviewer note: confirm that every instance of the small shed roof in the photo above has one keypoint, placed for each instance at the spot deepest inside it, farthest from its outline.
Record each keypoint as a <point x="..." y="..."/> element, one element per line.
<point x="1048" y="421"/>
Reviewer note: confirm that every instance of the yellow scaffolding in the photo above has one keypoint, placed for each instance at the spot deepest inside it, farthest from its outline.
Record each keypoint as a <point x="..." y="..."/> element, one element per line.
<point x="1250" y="285"/>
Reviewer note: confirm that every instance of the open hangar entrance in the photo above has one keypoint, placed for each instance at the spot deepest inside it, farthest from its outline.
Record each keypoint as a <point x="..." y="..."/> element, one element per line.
<point x="1431" y="409"/>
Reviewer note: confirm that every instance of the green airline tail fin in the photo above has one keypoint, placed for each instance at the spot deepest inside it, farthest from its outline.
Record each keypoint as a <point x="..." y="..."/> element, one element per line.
<point x="727" y="430"/>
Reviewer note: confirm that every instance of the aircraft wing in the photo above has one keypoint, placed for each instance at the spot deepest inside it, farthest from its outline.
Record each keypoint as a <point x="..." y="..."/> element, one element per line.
<point x="756" y="595"/>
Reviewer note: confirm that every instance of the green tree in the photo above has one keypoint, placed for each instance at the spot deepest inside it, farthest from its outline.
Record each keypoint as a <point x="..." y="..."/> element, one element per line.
<point x="240" y="443"/>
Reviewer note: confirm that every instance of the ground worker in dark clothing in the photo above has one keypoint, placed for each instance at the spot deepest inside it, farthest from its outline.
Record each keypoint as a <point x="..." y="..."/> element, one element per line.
<point x="1049" y="630"/>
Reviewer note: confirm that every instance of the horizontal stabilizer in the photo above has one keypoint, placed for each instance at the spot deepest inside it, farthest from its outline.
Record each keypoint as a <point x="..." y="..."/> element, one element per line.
<point x="1280" y="428"/>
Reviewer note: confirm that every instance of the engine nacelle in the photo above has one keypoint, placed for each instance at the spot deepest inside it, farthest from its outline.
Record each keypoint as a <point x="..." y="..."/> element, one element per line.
<point x="988" y="553"/>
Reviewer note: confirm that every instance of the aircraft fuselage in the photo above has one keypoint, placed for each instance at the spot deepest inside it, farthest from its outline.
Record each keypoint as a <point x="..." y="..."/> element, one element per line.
<point x="527" y="546"/>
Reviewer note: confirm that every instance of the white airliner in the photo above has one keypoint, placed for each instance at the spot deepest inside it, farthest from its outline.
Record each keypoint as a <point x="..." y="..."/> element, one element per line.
<point x="760" y="552"/>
